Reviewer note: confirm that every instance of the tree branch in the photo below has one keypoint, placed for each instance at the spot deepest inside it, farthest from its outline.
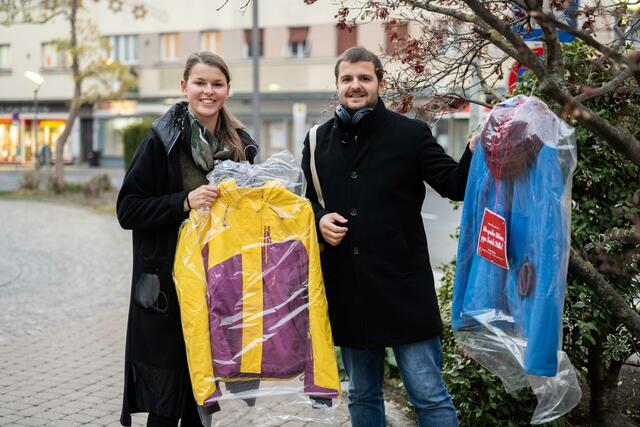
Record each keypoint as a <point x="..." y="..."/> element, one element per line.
<point x="585" y="271"/>
<point x="552" y="49"/>
<point x="430" y="7"/>
<point x="633" y="61"/>
<point x="523" y="54"/>
<point x="222" y="5"/>
<point x="585" y="37"/>
<point x="500" y="43"/>
<point x="619" y="138"/>
<point x="12" y="13"/>
<point x="605" y="88"/>
<point x="470" y="100"/>
<point x="484" y="85"/>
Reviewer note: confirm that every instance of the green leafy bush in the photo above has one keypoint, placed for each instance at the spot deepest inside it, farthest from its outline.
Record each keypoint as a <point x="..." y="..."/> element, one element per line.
<point x="605" y="203"/>
<point x="606" y="207"/>
<point x="132" y="135"/>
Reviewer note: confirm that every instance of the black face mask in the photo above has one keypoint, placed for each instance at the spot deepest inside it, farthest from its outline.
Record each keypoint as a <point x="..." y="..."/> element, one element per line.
<point x="147" y="294"/>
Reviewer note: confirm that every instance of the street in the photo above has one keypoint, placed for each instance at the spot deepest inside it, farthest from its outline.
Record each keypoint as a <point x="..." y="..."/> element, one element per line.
<point x="64" y="295"/>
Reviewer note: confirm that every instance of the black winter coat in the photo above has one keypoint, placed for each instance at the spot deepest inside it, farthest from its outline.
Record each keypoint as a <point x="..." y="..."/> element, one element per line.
<point x="378" y="280"/>
<point x="150" y="203"/>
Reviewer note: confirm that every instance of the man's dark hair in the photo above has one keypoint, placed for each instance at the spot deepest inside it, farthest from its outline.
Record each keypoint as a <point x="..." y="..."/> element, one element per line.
<point x="359" y="54"/>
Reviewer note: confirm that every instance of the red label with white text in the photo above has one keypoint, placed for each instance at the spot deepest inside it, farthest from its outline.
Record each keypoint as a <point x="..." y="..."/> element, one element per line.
<point x="492" y="242"/>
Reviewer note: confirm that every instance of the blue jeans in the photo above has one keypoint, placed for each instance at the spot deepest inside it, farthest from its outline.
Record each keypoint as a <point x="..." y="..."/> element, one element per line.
<point x="419" y="364"/>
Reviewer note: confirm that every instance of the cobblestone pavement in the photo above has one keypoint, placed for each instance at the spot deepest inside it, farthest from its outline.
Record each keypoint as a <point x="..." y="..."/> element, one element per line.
<point x="64" y="293"/>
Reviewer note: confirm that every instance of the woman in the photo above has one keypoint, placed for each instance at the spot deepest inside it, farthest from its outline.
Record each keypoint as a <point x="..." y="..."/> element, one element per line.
<point x="166" y="179"/>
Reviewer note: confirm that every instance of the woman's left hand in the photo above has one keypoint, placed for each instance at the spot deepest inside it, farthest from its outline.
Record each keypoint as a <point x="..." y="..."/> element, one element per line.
<point x="203" y="196"/>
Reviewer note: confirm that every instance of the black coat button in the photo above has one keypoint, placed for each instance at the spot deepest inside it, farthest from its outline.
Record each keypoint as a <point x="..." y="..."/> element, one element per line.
<point x="353" y="212"/>
<point x="354" y="174"/>
<point x="356" y="250"/>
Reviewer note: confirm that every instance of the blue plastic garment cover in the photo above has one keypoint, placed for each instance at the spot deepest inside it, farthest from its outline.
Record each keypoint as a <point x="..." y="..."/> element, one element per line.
<point x="510" y="281"/>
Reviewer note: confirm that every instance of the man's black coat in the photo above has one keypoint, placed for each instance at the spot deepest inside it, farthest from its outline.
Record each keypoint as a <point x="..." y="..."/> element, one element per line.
<point x="379" y="280"/>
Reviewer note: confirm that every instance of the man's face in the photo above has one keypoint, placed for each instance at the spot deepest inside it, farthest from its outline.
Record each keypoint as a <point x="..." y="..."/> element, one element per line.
<point x="358" y="85"/>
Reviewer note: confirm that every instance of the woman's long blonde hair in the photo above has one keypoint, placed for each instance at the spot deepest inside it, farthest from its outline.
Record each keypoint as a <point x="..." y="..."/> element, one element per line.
<point x="228" y="123"/>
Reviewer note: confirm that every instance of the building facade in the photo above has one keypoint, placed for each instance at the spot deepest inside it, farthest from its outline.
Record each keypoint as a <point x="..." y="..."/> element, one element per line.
<point x="297" y="52"/>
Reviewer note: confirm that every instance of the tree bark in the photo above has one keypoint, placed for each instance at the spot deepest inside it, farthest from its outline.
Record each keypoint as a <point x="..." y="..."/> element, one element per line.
<point x="604" y="405"/>
<point x="612" y="395"/>
<point x="76" y="101"/>
<point x="619" y="138"/>
<point x="596" y="382"/>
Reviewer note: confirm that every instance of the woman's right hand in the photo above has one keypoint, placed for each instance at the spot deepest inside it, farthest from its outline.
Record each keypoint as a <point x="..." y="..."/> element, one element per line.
<point x="203" y="196"/>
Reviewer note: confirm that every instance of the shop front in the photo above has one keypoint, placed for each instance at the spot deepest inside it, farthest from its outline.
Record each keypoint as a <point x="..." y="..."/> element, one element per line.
<point x="10" y="149"/>
<point x="22" y="136"/>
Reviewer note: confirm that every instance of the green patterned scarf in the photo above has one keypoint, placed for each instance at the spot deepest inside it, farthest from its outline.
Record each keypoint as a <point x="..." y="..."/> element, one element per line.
<point x="203" y="144"/>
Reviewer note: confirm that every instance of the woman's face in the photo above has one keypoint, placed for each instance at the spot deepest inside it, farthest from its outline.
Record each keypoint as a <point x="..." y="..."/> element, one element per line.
<point x="206" y="89"/>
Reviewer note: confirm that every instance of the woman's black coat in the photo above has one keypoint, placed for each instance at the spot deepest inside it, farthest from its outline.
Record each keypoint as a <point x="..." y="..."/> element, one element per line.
<point x="150" y="203"/>
<point x="379" y="280"/>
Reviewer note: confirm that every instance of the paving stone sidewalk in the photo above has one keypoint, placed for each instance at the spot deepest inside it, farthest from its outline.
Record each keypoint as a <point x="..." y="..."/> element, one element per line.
<point x="64" y="294"/>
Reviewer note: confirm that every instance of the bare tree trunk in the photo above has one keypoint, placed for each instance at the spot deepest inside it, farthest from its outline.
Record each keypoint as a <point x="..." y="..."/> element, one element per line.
<point x="604" y="405"/>
<point x="611" y="391"/>
<point x="596" y="382"/>
<point x="57" y="181"/>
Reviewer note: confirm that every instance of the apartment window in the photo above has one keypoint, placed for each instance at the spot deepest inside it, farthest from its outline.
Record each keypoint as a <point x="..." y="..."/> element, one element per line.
<point x="5" y="62"/>
<point x="124" y="48"/>
<point x="346" y="39"/>
<point x="169" y="45"/>
<point x="248" y="50"/>
<point x="298" y="46"/>
<point x="395" y="33"/>
<point x="53" y="57"/>
<point x="210" y="41"/>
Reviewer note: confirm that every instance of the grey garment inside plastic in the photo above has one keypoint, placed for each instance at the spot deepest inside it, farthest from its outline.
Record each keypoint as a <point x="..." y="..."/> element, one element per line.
<point x="281" y="167"/>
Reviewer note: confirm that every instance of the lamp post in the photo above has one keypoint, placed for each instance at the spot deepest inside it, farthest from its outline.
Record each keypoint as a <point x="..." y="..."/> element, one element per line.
<point x="255" y="59"/>
<point x="37" y="81"/>
<point x="45" y="159"/>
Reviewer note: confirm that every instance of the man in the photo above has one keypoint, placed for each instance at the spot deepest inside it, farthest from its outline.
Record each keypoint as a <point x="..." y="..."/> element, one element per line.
<point x="372" y="164"/>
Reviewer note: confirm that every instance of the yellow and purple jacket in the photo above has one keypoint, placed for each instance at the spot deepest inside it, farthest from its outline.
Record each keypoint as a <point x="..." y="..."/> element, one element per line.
<point x="251" y="294"/>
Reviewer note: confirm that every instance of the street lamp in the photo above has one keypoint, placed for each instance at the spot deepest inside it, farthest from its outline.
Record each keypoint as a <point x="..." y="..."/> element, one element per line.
<point x="37" y="80"/>
<point x="255" y="58"/>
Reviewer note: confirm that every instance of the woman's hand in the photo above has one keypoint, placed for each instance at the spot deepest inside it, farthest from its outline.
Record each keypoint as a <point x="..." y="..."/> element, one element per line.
<point x="202" y="197"/>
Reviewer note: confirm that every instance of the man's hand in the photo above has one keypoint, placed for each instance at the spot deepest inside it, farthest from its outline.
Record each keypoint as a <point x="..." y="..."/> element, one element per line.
<point x="331" y="228"/>
<point x="203" y="196"/>
<point x="473" y="142"/>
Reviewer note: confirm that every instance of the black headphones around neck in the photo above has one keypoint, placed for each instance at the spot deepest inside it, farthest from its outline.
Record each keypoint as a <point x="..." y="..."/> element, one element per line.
<point x="345" y="117"/>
